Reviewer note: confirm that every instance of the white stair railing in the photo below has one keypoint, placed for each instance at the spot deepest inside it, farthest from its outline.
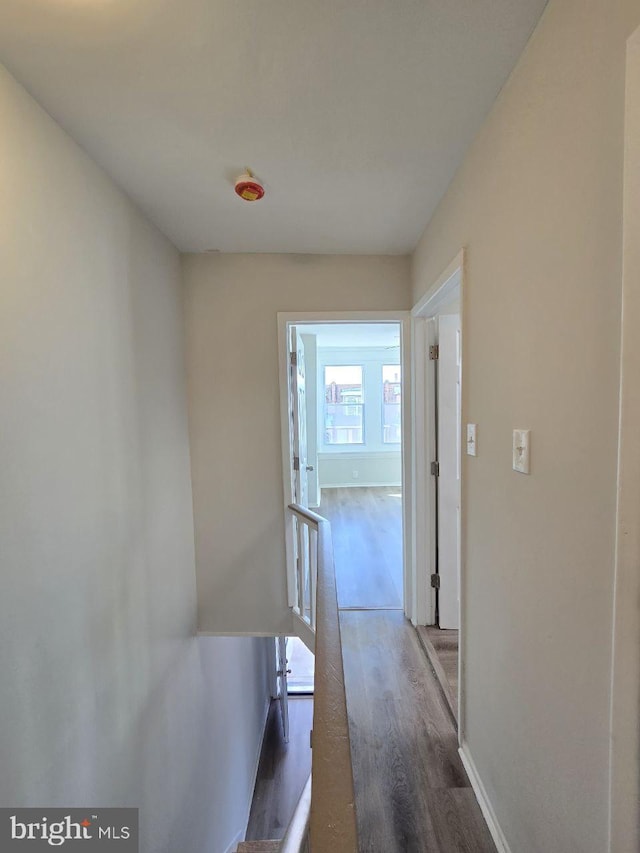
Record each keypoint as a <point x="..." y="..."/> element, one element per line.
<point x="330" y="804"/>
<point x="296" y="838"/>
<point x="308" y="526"/>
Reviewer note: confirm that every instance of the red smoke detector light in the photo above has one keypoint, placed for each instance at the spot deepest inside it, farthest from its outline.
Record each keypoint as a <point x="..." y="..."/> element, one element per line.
<point x="249" y="187"/>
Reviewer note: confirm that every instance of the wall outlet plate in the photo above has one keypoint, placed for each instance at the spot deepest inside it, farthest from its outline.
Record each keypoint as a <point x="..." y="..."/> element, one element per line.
<point x="522" y="451"/>
<point x="472" y="439"/>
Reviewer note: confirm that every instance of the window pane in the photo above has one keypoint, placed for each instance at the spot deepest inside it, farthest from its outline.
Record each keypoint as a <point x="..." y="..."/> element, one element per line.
<point x="391" y="403"/>
<point x="343" y="404"/>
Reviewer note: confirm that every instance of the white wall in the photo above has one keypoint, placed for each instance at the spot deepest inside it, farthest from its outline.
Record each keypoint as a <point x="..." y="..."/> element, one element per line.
<point x="345" y="470"/>
<point x="538" y="205"/>
<point x="231" y="305"/>
<point x="625" y="781"/>
<point x="106" y="696"/>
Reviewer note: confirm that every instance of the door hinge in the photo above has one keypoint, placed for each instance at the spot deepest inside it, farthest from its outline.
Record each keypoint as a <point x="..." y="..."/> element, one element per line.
<point x="296" y="463"/>
<point x="293" y="356"/>
<point x="435" y="581"/>
<point x="434" y="352"/>
<point x="435" y="469"/>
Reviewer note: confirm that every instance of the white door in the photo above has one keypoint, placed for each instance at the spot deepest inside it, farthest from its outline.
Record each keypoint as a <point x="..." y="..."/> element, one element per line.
<point x="282" y="688"/>
<point x="448" y="454"/>
<point x="300" y="468"/>
<point x="311" y="380"/>
<point x="298" y="419"/>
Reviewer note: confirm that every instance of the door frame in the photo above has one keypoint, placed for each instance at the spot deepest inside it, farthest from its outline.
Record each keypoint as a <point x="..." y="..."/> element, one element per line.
<point x="403" y="318"/>
<point x="448" y="287"/>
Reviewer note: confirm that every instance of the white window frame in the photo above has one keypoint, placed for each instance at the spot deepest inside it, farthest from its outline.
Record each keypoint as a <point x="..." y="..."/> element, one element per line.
<point x="333" y="445"/>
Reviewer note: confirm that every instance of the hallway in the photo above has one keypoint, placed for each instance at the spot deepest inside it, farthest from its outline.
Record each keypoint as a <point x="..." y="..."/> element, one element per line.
<point x="412" y="793"/>
<point x="366" y="526"/>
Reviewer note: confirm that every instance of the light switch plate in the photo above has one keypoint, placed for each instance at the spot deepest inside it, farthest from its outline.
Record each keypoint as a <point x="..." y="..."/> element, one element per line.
<point x="472" y="440"/>
<point x="522" y="450"/>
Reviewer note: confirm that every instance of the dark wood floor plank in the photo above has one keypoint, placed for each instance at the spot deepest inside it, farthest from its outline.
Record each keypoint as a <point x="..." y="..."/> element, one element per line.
<point x="366" y="526"/>
<point x="441" y="647"/>
<point x="282" y="772"/>
<point x="407" y="771"/>
<point x="459" y="823"/>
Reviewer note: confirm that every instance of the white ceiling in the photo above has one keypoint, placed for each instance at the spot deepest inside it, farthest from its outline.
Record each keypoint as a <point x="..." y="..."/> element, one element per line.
<point x="354" y="114"/>
<point x="354" y="334"/>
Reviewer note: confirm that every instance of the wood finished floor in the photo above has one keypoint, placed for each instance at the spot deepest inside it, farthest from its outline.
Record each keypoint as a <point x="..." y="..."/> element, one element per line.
<point x="441" y="646"/>
<point x="366" y="527"/>
<point x="282" y="772"/>
<point x="412" y="793"/>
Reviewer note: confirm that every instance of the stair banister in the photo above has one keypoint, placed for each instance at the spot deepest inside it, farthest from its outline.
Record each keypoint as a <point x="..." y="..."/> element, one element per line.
<point x="332" y="824"/>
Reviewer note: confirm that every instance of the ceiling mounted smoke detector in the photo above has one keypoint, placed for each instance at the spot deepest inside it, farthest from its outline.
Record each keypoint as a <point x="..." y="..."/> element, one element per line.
<point x="248" y="187"/>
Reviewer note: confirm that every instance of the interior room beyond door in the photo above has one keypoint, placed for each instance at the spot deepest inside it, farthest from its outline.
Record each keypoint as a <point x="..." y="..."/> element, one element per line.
<point x="354" y="422"/>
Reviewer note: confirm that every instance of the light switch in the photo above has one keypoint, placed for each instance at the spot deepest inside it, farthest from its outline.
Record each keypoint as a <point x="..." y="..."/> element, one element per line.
<point x="522" y="450"/>
<point x="472" y="441"/>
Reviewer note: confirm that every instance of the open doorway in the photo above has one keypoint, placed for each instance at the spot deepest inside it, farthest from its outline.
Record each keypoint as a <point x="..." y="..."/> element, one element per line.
<point x="301" y="666"/>
<point x="438" y="440"/>
<point x="292" y="672"/>
<point x="345" y="443"/>
<point x="442" y="638"/>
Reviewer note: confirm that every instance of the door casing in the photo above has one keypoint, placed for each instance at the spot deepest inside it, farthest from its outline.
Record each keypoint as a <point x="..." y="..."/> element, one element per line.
<point x="447" y="289"/>
<point x="403" y="318"/>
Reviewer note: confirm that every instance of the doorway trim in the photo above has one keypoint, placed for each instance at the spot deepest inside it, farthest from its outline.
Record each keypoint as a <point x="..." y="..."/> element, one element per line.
<point x="403" y="318"/>
<point x="448" y="287"/>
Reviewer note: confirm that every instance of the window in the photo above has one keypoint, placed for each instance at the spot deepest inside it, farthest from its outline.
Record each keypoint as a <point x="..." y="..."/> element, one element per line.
<point x="391" y="402"/>
<point x="343" y="404"/>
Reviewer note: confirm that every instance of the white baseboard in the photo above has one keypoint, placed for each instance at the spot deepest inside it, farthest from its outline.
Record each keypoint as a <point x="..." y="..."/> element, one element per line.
<point x="360" y="484"/>
<point x="483" y="800"/>
<point x="254" y="777"/>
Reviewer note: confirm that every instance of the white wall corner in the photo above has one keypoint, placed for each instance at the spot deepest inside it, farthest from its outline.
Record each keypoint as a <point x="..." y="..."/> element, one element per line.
<point x="483" y="800"/>
<point x="234" y="844"/>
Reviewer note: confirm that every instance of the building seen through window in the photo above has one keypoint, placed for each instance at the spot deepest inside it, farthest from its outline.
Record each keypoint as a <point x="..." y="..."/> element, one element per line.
<point x="344" y="405"/>
<point x="391" y="402"/>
